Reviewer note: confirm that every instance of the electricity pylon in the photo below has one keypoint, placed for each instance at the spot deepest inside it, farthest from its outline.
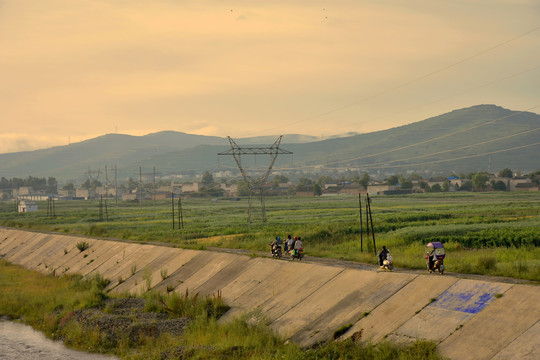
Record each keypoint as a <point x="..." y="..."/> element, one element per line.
<point x="255" y="184"/>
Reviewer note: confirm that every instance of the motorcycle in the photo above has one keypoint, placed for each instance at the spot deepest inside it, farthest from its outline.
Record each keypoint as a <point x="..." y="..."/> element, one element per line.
<point x="387" y="263"/>
<point x="435" y="255"/>
<point x="276" y="251"/>
<point x="296" y="254"/>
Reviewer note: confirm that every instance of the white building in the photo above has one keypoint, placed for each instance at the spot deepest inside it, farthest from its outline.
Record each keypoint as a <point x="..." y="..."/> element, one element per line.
<point x="27" y="206"/>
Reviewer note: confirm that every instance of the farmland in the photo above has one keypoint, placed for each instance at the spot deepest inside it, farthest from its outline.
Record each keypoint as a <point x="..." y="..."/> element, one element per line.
<point x="494" y="234"/>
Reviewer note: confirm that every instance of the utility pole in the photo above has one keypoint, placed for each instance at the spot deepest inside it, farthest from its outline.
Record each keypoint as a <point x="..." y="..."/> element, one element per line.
<point x="361" y="230"/>
<point x="154" y="192"/>
<point x="180" y="215"/>
<point x="100" y="207"/>
<point x="140" y="186"/>
<point x="371" y="220"/>
<point x="172" y="204"/>
<point x="115" y="186"/>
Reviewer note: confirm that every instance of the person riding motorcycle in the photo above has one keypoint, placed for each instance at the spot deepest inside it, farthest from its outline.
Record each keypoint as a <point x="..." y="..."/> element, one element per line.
<point x="275" y="246"/>
<point x="382" y="255"/>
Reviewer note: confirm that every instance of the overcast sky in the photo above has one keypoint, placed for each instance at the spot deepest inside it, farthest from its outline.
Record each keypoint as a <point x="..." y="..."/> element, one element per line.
<point x="74" y="69"/>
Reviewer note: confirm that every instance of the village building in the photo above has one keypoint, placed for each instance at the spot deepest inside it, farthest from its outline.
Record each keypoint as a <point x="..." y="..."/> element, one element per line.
<point x="229" y="190"/>
<point x="27" y="206"/>
<point x="518" y="180"/>
<point x="86" y="194"/>
<point x="190" y="187"/>
<point x="526" y="187"/>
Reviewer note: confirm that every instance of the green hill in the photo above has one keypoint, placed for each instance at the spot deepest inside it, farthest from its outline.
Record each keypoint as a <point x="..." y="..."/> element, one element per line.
<point x="483" y="137"/>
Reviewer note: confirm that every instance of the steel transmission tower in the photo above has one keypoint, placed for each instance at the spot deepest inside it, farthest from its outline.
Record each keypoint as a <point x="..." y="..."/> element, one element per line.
<point x="255" y="184"/>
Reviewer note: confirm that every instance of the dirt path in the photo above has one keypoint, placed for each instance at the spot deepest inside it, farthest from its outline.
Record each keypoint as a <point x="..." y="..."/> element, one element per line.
<point x="362" y="266"/>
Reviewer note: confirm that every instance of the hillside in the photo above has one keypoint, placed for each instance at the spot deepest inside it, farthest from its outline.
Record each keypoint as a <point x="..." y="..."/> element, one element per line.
<point x="448" y="143"/>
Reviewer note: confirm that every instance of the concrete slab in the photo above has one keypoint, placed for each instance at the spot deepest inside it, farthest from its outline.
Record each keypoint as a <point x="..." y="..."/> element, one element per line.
<point x="238" y="266"/>
<point x="342" y="301"/>
<point x="400" y="307"/>
<point x="36" y="250"/>
<point x="15" y="238"/>
<point x="56" y="257"/>
<point x="122" y="255"/>
<point x="53" y="245"/>
<point x="451" y="310"/>
<point x="102" y="252"/>
<point x="134" y="264"/>
<point x="25" y="248"/>
<point x="260" y="269"/>
<point x="179" y="259"/>
<point x="158" y="268"/>
<point x="101" y="255"/>
<point x="189" y="268"/>
<point x="283" y="280"/>
<point x="495" y="327"/>
<point x="136" y="284"/>
<point x="74" y="257"/>
<point x="525" y="347"/>
<point x="293" y="293"/>
<point x="218" y="262"/>
<point x="8" y="240"/>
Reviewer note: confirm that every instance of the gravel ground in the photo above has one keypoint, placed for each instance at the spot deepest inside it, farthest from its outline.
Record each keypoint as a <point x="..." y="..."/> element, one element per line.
<point x="126" y="318"/>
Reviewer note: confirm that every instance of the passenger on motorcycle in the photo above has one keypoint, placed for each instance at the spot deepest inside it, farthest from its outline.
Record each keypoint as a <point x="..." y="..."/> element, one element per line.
<point x="287" y="242"/>
<point x="298" y="245"/>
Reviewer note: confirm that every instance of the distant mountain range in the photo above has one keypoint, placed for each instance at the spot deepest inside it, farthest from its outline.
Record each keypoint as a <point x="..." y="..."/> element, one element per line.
<point x="483" y="137"/>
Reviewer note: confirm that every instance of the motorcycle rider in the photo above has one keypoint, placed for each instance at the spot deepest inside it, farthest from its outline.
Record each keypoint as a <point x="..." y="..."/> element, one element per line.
<point x="431" y="260"/>
<point x="275" y="244"/>
<point x="298" y="245"/>
<point x="290" y="243"/>
<point x="382" y="255"/>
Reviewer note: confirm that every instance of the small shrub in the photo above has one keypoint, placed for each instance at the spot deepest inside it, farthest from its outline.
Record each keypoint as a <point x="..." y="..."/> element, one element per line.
<point x="82" y="245"/>
<point x="486" y="262"/>
<point x="163" y="273"/>
<point x="147" y="277"/>
<point x="133" y="269"/>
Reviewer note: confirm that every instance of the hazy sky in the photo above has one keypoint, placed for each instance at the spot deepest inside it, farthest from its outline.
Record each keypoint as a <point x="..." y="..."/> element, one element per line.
<point x="75" y="69"/>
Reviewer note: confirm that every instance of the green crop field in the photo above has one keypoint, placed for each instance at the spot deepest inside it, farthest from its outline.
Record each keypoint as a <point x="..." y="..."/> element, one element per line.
<point x="484" y="233"/>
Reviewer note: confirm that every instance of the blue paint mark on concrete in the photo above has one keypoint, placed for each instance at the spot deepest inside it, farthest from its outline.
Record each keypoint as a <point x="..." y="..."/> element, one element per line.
<point x="467" y="298"/>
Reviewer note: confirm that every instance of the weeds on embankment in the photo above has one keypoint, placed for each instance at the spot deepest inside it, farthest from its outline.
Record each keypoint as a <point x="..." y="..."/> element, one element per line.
<point x="51" y="303"/>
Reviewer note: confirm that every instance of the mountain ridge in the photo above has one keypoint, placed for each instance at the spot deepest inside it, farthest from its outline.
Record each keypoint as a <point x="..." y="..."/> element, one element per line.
<point x="429" y="142"/>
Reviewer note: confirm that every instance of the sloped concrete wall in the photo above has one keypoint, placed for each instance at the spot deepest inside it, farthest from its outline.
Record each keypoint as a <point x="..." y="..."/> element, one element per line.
<point x="306" y="302"/>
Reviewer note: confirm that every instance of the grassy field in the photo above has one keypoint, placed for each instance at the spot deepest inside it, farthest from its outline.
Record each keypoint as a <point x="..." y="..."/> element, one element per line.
<point x="484" y="233"/>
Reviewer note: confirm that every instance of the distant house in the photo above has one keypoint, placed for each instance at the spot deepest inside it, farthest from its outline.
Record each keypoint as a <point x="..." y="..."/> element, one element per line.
<point x="129" y="196"/>
<point x="27" y="206"/>
<point x="352" y="189"/>
<point x="518" y="180"/>
<point x="85" y="194"/>
<point x="26" y="190"/>
<point x="190" y="187"/>
<point x="526" y="187"/>
<point x="380" y="189"/>
<point x="229" y="190"/>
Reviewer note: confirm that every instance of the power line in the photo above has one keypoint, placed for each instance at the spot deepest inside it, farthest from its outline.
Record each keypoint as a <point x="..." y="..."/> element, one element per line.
<point x="407" y="83"/>
<point x="418" y="143"/>
<point x="450" y="96"/>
